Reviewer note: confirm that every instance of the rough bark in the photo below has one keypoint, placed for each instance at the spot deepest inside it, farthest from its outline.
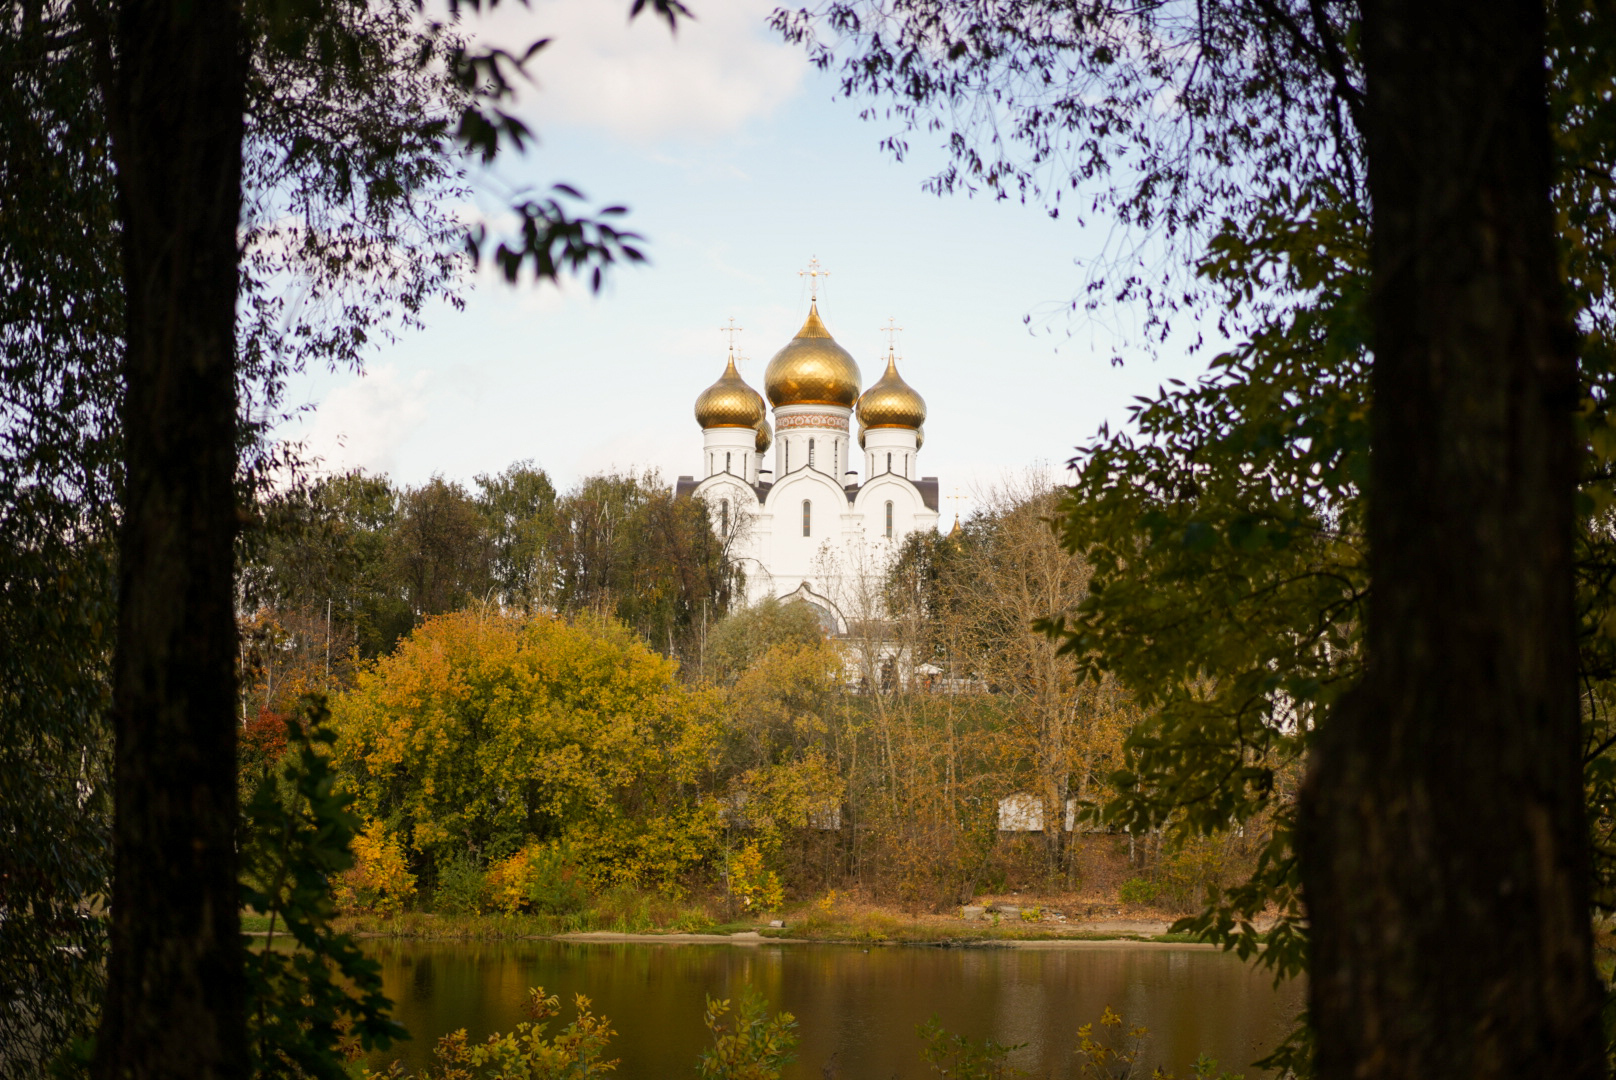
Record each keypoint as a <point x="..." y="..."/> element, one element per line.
<point x="1443" y="848"/>
<point x="175" y="998"/>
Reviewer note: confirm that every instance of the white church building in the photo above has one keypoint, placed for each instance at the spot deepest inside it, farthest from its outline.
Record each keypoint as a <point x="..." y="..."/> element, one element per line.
<point x="789" y="497"/>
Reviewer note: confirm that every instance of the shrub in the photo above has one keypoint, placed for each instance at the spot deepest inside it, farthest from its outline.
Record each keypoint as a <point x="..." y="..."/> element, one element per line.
<point x="380" y="879"/>
<point x="757" y="887"/>
<point x="462" y="883"/>
<point x="576" y="1051"/>
<point x="694" y="921"/>
<point x="752" y="1046"/>
<point x="540" y="878"/>
<point x="1137" y="891"/>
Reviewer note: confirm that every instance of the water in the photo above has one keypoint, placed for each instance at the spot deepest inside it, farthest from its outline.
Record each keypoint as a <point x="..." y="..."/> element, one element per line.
<point x="856" y="1006"/>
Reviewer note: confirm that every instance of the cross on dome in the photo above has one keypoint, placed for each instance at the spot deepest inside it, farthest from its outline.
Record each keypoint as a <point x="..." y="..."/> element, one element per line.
<point x="813" y="274"/>
<point x="731" y="330"/>
<point x="892" y="330"/>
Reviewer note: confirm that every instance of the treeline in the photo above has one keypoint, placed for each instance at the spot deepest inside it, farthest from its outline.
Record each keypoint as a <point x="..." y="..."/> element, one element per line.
<point x="528" y="750"/>
<point x="344" y="567"/>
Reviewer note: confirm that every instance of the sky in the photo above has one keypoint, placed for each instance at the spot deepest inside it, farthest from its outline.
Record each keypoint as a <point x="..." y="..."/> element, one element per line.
<point x="739" y="164"/>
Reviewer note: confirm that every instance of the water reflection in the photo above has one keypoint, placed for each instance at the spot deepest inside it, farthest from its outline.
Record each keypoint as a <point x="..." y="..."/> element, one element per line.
<point x="862" y="1007"/>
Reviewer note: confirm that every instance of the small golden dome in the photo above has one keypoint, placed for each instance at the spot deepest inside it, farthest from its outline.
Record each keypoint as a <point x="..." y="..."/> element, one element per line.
<point x="765" y="437"/>
<point x="891" y="402"/>
<point x="812" y="369"/>
<point x="729" y="402"/>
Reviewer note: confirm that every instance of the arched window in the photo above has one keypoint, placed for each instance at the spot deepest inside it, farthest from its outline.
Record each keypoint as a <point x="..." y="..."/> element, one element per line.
<point x="723" y="517"/>
<point x="835" y="458"/>
<point x="726" y="461"/>
<point x="807" y="518"/>
<point x="788" y="455"/>
<point x="889" y="463"/>
<point x="906" y="464"/>
<point x="889" y="518"/>
<point x="810" y="453"/>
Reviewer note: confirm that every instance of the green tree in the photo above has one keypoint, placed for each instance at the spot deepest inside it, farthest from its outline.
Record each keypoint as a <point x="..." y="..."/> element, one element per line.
<point x="439" y="550"/>
<point x="1239" y="555"/>
<point x="740" y="639"/>
<point x="624" y="545"/>
<point x="519" y="508"/>
<point x="146" y="124"/>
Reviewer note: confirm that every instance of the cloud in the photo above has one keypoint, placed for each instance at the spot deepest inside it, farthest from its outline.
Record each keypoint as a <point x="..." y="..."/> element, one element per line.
<point x="362" y="424"/>
<point x="638" y="81"/>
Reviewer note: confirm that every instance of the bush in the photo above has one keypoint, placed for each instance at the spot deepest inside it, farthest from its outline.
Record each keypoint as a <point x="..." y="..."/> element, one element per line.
<point x="462" y="884"/>
<point x="540" y="878"/>
<point x="751" y="1045"/>
<point x="756" y="887"/>
<point x="380" y="879"/>
<point x="1137" y="891"/>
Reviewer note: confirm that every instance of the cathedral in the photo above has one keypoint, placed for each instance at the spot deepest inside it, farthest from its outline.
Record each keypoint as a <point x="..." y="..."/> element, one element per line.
<point x="799" y="522"/>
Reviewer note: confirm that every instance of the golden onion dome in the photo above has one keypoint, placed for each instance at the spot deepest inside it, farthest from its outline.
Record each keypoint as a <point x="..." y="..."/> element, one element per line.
<point x="891" y="402"/>
<point x="729" y="402"/>
<point x="765" y="437"/>
<point x="812" y="369"/>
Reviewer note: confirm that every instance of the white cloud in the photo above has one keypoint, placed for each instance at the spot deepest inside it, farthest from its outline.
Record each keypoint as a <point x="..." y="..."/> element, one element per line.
<point x="363" y="423"/>
<point x="721" y="69"/>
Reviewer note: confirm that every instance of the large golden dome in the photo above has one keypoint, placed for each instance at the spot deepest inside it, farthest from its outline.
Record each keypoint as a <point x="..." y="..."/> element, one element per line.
<point x="765" y="437"/>
<point x="729" y="402"/>
<point x="812" y="369"/>
<point x="891" y="402"/>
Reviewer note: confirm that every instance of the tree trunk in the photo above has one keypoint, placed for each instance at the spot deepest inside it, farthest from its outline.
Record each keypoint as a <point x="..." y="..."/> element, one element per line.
<point x="1442" y="844"/>
<point x="175" y="996"/>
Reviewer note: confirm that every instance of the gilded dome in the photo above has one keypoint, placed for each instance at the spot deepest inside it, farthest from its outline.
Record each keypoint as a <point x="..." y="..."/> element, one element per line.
<point x="812" y="369"/>
<point x="729" y="402"/>
<point x="891" y="402"/>
<point x="765" y="437"/>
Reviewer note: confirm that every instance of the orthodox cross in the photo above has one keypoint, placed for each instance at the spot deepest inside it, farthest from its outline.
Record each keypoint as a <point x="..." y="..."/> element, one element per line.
<point x="956" y="499"/>
<point x="731" y="330"/>
<point x="892" y="330"/>
<point x="813" y="274"/>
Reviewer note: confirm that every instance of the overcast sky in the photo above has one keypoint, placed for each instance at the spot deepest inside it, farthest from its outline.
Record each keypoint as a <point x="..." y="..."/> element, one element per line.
<point x="739" y="165"/>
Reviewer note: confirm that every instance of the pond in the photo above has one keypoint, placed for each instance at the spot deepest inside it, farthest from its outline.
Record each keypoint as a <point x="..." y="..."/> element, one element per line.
<point x="856" y="1009"/>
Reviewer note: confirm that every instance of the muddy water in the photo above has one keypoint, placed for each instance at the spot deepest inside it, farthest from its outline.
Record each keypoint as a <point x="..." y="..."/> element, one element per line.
<point x="857" y="1010"/>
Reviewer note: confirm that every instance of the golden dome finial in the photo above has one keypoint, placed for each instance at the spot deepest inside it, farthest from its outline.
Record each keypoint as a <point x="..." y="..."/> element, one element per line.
<point x="729" y="402"/>
<point x="891" y="402"/>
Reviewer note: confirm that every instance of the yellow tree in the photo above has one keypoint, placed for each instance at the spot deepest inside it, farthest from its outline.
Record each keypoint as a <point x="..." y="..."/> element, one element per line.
<point x="486" y="732"/>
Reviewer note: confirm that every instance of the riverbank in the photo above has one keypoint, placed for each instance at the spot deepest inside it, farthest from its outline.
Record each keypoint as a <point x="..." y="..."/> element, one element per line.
<point x="863" y="927"/>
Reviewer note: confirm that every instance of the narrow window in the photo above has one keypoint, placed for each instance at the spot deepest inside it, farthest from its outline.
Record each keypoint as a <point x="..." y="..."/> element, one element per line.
<point x="906" y="464"/>
<point x="889" y="463"/>
<point x="810" y="453"/>
<point x="723" y="517"/>
<point x="788" y="455"/>
<point x="889" y="519"/>
<point x="807" y="517"/>
<point x="835" y="458"/>
<point x="726" y="461"/>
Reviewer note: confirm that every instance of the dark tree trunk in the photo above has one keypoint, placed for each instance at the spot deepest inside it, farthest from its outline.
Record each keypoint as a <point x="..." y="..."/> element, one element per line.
<point x="1443" y="849"/>
<point x="174" y="1004"/>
